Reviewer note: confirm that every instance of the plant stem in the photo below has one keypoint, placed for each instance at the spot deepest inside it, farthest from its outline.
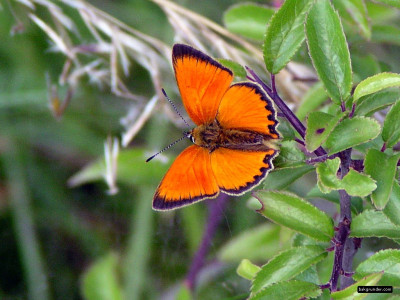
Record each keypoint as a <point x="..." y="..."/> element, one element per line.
<point x="345" y="200"/>
<point x="32" y="260"/>
<point x="215" y="215"/>
<point x="341" y="262"/>
<point x="139" y="246"/>
<point x="350" y="249"/>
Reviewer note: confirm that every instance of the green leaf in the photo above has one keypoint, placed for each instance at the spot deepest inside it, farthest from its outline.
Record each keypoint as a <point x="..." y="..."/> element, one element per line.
<point x="303" y="240"/>
<point x="383" y="33"/>
<point x="281" y="178"/>
<point x="356" y="12"/>
<point x="382" y="168"/>
<point x="248" y="20"/>
<point x="309" y="275"/>
<point x="285" y="34"/>
<point x="352" y="132"/>
<point x="375" y="84"/>
<point x="327" y="175"/>
<point x="235" y="67"/>
<point x="386" y="261"/>
<point x="328" y="50"/>
<point x="288" y="290"/>
<point x="350" y="293"/>
<point x="286" y="265"/>
<point x="286" y="130"/>
<point x="132" y="169"/>
<point x="295" y="213"/>
<point x="258" y="243"/>
<point x="100" y="282"/>
<point x="394" y="3"/>
<point x="247" y="269"/>
<point x="312" y="99"/>
<point x="371" y="223"/>
<point x="391" y="126"/>
<point x="357" y="184"/>
<point x="319" y="126"/>
<point x="184" y="293"/>
<point x="371" y="103"/>
<point x="289" y="156"/>
<point x="392" y="208"/>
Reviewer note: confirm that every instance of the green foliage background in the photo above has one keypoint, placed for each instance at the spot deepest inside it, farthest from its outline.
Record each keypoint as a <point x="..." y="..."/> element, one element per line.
<point x="58" y="242"/>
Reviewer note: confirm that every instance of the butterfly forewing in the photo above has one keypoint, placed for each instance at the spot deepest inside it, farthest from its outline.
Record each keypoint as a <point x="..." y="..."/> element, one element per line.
<point x="202" y="82"/>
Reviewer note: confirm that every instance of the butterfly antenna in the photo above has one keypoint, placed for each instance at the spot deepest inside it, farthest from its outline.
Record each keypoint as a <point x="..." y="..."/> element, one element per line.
<point x="173" y="105"/>
<point x="166" y="148"/>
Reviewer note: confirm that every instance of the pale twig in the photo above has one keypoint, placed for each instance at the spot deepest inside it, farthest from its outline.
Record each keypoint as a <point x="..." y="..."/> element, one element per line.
<point x="167" y="5"/>
<point x="133" y="130"/>
<point x="111" y="152"/>
<point x="58" y="41"/>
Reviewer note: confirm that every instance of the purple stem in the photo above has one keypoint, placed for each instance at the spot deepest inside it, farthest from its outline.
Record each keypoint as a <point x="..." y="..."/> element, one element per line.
<point x="343" y="259"/>
<point x="350" y="249"/>
<point x="343" y="106"/>
<point x="340" y="237"/>
<point x="215" y="215"/>
<point x="300" y="141"/>
<point x="353" y="109"/>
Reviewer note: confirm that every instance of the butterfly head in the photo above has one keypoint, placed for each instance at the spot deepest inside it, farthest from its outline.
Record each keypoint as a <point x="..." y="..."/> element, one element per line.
<point x="189" y="135"/>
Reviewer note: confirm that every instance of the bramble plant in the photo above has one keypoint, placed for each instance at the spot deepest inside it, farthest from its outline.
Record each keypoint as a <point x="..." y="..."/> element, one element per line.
<point x="333" y="198"/>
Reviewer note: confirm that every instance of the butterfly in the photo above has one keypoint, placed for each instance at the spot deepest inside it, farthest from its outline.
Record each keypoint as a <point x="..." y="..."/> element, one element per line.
<point x="234" y="141"/>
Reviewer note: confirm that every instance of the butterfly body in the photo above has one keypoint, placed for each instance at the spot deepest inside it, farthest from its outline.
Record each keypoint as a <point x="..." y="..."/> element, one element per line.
<point x="235" y="138"/>
<point x="213" y="136"/>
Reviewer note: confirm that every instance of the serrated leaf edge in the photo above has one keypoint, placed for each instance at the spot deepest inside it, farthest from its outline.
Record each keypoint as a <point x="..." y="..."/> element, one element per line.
<point x="279" y="254"/>
<point x="272" y="71"/>
<point x="369" y="78"/>
<point x="360" y="117"/>
<point x="312" y="60"/>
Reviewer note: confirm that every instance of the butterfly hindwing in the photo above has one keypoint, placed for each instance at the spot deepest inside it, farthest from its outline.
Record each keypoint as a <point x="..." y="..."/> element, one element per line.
<point x="238" y="171"/>
<point x="202" y="82"/>
<point x="189" y="179"/>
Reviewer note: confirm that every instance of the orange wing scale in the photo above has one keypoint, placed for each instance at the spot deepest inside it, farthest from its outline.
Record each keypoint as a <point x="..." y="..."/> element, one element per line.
<point x="244" y="106"/>
<point x="190" y="178"/>
<point x="202" y="82"/>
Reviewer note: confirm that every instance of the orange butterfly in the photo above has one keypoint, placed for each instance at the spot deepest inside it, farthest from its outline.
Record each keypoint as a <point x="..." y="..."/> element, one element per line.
<point x="234" y="138"/>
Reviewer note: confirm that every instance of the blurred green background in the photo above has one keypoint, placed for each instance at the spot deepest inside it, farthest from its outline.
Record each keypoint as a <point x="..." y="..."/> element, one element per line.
<point x="58" y="242"/>
<point x="51" y="234"/>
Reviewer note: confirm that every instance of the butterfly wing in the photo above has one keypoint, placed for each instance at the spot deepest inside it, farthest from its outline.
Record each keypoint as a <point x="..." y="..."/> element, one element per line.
<point x="245" y="106"/>
<point x="238" y="171"/>
<point x="189" y="179"/>
<point x="202" y="82"/>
